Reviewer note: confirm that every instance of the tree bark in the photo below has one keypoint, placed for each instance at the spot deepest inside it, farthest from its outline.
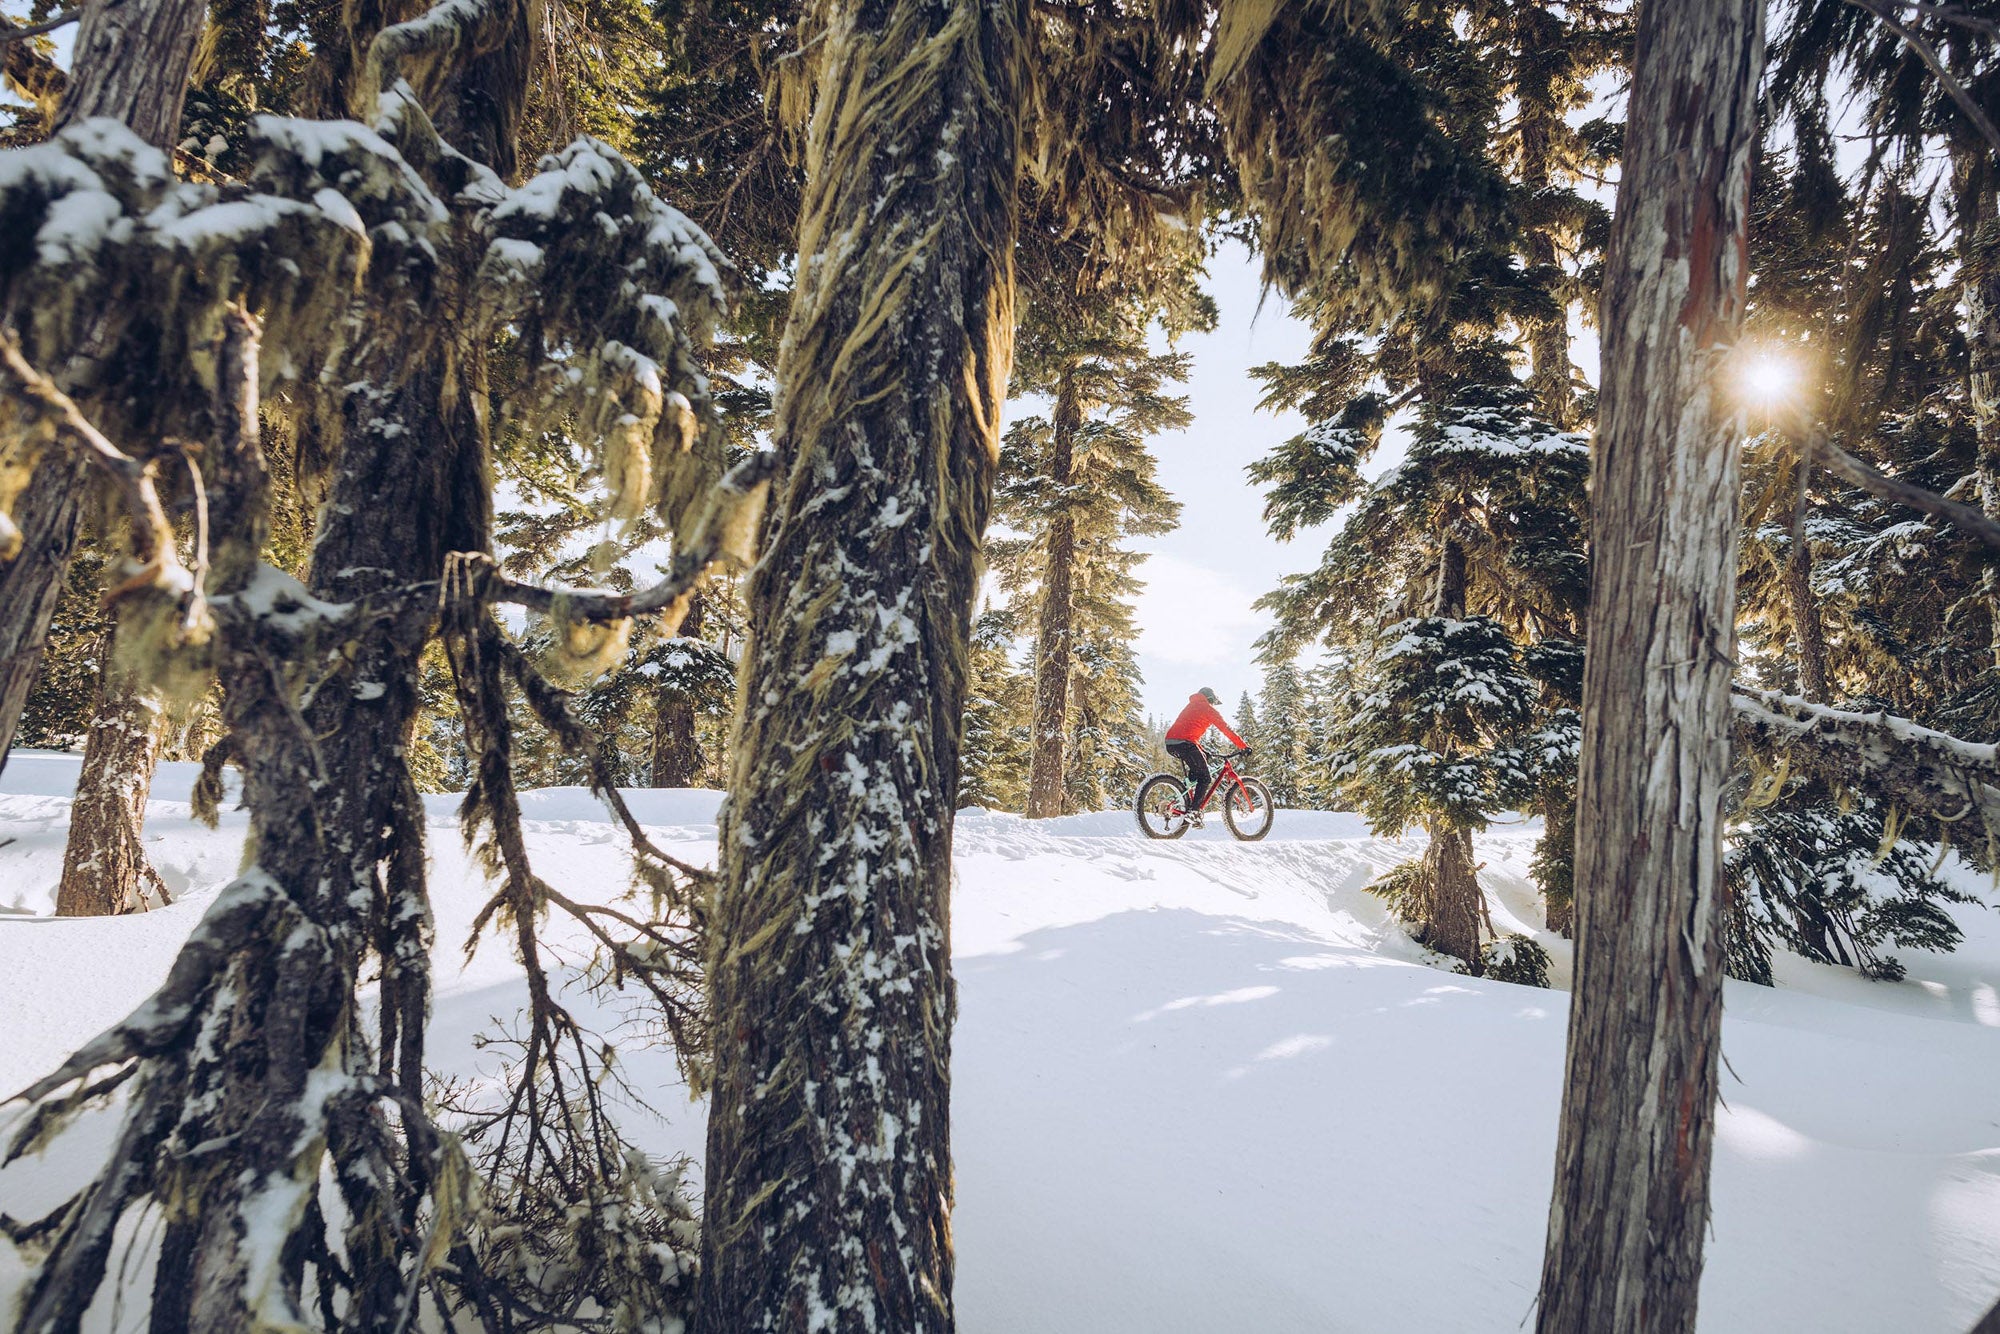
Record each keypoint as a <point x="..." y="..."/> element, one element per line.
<point x="105" y="869"/>
<point x="828" y="1174"/>
<point x="1055" y="639"/>
<point x="1450" y="919"/>
<point x="1979" y="261"/>
<point x="1808" y="631"/>
<point x="1632" y="1159"/>
<point x="676" y="754"/>
<point x="1548" y="339"/>
<point x="132" y="59"/>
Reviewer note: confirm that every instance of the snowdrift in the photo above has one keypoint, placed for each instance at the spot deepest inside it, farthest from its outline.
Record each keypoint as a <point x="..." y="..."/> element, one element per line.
<point x="1208" y="1086"/>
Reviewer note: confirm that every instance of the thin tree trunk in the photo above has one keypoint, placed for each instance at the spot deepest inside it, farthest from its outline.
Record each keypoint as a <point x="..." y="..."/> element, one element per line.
<point x="1055" y="640"/>
<point x="828" y="1175"/>
<point x="1631" y="1196"/>
<point x="132" y="59"/>
<point x="1808" y="630"/>
<point x="1548" y="340"/>
<point x="677" y="757"/>
<point x="105" y="869"/>
<point x="1979" y="261"/>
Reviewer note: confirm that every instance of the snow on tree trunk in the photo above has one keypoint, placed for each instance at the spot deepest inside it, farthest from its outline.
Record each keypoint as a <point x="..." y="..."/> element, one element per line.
<point x="828" y="1174"/>
<point x="676" y="760"/>
<point x="105" y="869"/>
<point x="1630" y="1205"/>
<point x="1055" y="641"/>
<point x="131" y="64"/>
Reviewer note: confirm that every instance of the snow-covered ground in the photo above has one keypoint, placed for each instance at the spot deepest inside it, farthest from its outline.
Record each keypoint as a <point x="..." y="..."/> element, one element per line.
<point x="1203" y="1086"/>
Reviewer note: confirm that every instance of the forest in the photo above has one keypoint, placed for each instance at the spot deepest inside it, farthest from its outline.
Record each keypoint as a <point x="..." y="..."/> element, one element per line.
<point x="648" y="503"/>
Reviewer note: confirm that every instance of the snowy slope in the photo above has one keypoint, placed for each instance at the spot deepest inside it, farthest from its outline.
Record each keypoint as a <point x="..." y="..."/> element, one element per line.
<point x="1202" y="1086"/>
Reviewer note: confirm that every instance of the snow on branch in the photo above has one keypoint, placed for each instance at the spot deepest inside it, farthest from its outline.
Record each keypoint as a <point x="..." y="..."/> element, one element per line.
<point x="1964" y="517"/>
<point x="1917" y="771"/>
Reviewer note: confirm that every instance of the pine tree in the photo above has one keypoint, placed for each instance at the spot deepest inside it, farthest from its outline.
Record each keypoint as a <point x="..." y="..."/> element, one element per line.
<point x="999" y="713"/>
<point x="1286" y="731"/>
<point x="1077" y="485"/>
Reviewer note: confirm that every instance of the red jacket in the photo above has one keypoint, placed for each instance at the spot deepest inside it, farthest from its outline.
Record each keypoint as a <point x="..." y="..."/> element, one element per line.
<point x="1196" y="719"/>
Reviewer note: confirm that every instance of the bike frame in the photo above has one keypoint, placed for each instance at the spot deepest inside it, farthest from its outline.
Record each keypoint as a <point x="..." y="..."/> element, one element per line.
<point x="1225" y="774"/>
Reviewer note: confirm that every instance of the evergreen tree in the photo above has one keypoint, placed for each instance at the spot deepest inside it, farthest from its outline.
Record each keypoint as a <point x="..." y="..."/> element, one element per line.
<point x="999" y="711"/>
<point x="1248" y="725"/>
<point x="1286" y="732"/>
<point x="1077" y="484"/>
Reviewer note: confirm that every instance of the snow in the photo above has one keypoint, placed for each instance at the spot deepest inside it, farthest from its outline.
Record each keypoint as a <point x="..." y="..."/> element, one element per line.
<point x="1201" y="1085"/>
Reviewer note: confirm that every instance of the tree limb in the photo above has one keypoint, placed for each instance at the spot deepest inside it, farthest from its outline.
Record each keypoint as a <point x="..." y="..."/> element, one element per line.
<point x="153" y="536"/>
<point x="13" y="33"/>
<point x="1926" y="53"/>
<point x="1919" y="770"/>
<point x="1972" y="521"/>
<point x="717" y="534"/>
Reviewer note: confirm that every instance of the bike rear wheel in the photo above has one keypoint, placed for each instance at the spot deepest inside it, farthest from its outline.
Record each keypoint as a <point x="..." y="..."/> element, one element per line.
<point x="1159" y="807"/>
<point x="1247" y="810"/>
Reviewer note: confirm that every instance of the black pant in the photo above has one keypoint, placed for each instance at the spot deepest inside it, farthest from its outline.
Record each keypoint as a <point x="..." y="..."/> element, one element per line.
<point x="1197" y="766"/>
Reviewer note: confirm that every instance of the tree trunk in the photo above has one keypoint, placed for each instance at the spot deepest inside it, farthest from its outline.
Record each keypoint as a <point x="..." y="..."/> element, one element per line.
<point x="49" y="515"/>
<point x="677" y="757"/>
<point x="1979" y="260"/>
<point x="105" y="869"/>
<point x="1548" y="339"/>
<point x="1451" y="912"/>
<point x="132" y="59"/>
<point x="828" y="1174"/>
<point x="1632" y="1157"/>
<point x="1055" y="640"/>
<point x="1808" y="631"/>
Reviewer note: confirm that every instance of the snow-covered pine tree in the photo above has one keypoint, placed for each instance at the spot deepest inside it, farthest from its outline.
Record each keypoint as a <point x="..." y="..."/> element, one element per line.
<point x="999" y="713"/>
<point x="1285" y="731"/>
<point x="1077" y="485"/>
<point x="1439" y="583"/>
<point x="1248" y="725"/>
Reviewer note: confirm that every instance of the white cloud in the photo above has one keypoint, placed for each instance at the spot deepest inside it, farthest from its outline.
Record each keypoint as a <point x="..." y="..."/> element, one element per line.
<point x="1192" y="616"/>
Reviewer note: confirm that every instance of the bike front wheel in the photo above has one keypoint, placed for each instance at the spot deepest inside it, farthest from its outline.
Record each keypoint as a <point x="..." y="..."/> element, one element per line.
<point x="1248" y="811"/>
<point x="1159" y="807"/>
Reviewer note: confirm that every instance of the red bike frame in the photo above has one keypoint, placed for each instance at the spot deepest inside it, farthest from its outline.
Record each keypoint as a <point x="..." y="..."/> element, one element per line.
<point x="1227" y="773"/>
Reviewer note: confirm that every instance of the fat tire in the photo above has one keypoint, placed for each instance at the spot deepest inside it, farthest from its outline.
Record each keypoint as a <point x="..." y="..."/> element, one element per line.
<point x="1263" y="795"/>
<point x="1139" y="806"/>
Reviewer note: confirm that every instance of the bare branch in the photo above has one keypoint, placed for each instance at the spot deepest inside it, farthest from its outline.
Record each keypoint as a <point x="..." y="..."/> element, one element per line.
<point x="737" y="496"/>
<point x="153" y="536"/>
<point x="12" y="33"/>
<point x="1837" y="460"/>
<point x="1926" y="53"/>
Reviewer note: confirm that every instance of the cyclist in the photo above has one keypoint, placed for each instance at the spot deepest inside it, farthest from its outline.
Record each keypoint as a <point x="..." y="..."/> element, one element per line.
<point x="1184" y="741"/>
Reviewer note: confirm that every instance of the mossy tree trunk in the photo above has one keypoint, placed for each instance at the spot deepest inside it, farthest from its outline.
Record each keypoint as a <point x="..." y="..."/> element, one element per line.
<point x="105" y="869"/>
<point x="1055" y="638"/>
<point x="1979" y="263"/>
<point x="828" y="1174"/>
<point x="131" y="64"/>
<point x="1631" y="1198"/>
<point x="677" y="757"/>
